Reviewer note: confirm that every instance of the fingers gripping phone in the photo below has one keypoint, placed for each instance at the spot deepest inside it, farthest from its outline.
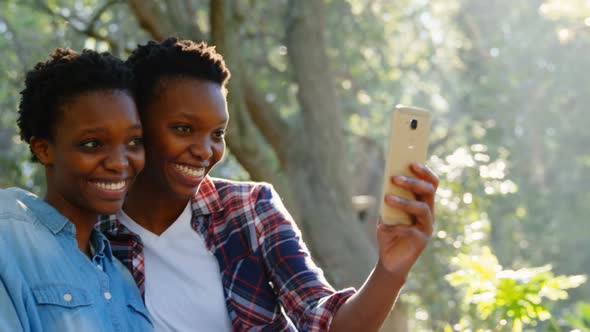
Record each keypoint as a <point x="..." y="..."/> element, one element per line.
<point x="408" y="143"/>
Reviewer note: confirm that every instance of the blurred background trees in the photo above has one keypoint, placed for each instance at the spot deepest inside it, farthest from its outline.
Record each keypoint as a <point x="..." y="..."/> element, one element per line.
<point x="313" y="82"/>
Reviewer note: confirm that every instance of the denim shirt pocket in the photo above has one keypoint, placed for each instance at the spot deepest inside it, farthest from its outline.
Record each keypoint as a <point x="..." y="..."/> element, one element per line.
<point x="61" y="295"/>
<point x="137" y="306"/>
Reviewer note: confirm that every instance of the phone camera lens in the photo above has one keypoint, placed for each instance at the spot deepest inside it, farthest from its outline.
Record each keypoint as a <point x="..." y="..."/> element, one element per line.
<point x="414" y="124"/>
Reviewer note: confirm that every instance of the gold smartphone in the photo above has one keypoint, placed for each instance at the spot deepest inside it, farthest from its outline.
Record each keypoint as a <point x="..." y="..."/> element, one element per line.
<point x="408" y="143"/>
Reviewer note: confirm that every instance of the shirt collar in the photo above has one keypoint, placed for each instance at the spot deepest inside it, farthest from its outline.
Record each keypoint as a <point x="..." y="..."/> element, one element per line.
<point x="206" y="201"/>
<point x="56" y="222"/>
<point x="101" y="244"/>
<point x="46" y="213"/>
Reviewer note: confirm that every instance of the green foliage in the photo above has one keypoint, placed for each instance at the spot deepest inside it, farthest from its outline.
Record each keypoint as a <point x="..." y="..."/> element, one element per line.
<point x="527" y="95"/>
<point x="511" y="298"/>
<point x="580" y="317"/>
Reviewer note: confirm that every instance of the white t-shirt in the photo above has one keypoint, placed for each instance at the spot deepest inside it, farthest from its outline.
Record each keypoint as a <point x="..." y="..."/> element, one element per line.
<point x="183" y="290"/>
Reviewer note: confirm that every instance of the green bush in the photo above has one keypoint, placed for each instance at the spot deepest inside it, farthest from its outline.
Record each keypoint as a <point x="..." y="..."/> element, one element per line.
<point x="507" y="299"/>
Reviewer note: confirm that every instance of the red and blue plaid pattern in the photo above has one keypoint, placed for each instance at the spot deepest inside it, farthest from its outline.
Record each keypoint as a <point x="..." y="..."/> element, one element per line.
<point x="269" y="280"/>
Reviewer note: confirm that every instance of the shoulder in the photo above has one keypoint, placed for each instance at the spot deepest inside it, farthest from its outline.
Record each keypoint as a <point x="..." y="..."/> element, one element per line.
<point x="247" y="192"/>
<point x="18" y="223"/>
<point x="226" y="186"/>
<point x="256" y="202"/>
<point x="15" y="204"/>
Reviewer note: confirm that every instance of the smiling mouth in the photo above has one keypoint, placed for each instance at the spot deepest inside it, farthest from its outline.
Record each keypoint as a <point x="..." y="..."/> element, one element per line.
<point x="193" y="172"/>
<point x="110" y="186"/>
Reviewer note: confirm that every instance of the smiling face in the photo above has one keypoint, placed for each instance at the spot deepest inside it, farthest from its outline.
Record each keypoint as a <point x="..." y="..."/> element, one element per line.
<point x="184" y="129"/>
<point x="95" y="153"/>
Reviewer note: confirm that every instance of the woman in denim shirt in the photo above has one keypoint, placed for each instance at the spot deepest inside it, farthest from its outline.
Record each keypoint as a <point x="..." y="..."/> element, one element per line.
<point x="57" y="273"/>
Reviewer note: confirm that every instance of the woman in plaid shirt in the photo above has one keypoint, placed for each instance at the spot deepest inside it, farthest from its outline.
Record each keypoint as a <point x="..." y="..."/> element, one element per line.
<point x="255" y="273"/>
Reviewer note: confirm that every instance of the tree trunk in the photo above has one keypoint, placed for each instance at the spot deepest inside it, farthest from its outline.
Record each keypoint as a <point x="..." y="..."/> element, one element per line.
<point x="317" y="162"/>
<point x="307" y="160"/>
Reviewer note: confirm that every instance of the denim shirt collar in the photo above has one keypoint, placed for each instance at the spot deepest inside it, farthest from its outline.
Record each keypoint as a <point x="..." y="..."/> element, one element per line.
<point x="46" y="213"/>
<point x="56" y="222"/>
<point x="101" y="244"/>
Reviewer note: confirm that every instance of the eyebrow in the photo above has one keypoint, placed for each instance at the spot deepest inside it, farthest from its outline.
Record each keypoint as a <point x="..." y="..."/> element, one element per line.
<point x="186" y="115"/>
<point x="102" y="130"/>
<point x="189" y="116"/>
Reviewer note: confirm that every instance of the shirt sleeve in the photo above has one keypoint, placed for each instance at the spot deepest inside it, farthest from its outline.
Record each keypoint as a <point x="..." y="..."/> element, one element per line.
<point x="13" y="302"/>
<point x="304" y="293"/>
<point x="9" y="318"/>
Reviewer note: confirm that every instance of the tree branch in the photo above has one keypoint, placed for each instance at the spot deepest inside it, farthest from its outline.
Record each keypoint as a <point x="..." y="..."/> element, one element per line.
<point x="18" y="47"/>
<point x="244" y="137"/>
<point x="217" y="19"/>
<point x="320" y="110"/>
<point x="151" y="18"/>
<point x="99" y="12"/>
<point x="78" y="25"/>
<point x="267" y="118"/>
<point x="183" y="14"/>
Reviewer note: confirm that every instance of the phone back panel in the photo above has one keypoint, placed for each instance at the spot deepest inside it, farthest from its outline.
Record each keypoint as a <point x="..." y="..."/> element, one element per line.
<point x="406" y="145"/>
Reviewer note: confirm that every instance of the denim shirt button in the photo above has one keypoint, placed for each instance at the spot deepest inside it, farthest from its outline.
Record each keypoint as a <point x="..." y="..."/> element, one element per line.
<point x="68" y="297"/>
<point x="108" y="296"/>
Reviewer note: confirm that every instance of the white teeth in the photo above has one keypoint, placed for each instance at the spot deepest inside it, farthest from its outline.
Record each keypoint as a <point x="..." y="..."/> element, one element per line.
<point x="110" y="185"/>
<point x="191" y="171"/>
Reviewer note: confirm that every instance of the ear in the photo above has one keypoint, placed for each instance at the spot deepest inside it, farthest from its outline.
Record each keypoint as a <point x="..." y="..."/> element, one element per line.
<point x="43" y="150"/>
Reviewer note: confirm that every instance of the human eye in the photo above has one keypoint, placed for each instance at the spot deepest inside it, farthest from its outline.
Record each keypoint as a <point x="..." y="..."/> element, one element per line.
<point x="182" y="128"/>
<point x="136" y="141"/>
<point x="220" y="134"/>
<point x="90" y="144"/>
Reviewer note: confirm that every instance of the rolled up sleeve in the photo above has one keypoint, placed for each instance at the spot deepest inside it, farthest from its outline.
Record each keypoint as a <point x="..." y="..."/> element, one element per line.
<point x="304" y="293"/>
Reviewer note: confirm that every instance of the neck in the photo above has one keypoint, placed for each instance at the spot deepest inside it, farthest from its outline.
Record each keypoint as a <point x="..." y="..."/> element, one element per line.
<point x="163" y="210"/>
<point x="84" y="221"/>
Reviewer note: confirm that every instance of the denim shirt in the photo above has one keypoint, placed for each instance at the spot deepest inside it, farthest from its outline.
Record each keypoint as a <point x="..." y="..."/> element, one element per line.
<point x="48" y="284"/>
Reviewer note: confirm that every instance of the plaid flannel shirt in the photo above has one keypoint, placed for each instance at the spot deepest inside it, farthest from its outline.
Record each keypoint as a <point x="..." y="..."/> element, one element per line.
<point x="269" y="280"/>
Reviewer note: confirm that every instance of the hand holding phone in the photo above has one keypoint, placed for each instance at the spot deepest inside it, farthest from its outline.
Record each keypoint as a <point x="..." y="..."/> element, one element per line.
<point x="408" y="143"/>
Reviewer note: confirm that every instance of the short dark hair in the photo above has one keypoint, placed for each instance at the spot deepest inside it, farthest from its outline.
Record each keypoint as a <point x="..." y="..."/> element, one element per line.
<point x="174" y="58"/>
<point x="65" y="75"/>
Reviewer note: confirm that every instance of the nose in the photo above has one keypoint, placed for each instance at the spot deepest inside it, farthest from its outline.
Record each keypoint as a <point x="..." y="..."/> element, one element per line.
<point x="203" y="150"/>
<point x="117" y="160"/>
